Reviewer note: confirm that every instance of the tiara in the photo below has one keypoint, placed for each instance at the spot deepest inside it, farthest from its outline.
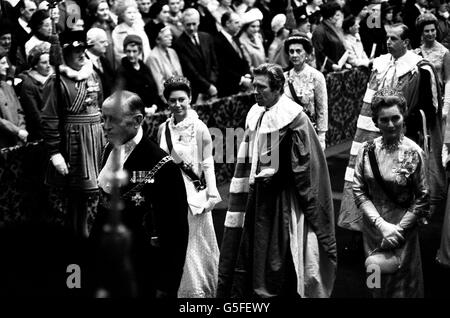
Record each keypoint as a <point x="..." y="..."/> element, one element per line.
<point x="177" y="80"/>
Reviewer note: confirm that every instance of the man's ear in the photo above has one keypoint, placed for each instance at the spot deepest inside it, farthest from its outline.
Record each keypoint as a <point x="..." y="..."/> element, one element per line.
<point x="138" y="118"/>
<point x="407" y="43"/>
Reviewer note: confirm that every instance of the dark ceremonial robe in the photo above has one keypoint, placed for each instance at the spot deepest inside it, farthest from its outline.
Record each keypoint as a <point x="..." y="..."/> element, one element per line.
<point x="161" y="212"/>
<point x="287" y="207"/>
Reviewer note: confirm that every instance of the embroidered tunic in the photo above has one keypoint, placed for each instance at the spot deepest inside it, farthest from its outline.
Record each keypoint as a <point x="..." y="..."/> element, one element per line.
<point x="404" y="172"/>
<point x="82" y="140"/>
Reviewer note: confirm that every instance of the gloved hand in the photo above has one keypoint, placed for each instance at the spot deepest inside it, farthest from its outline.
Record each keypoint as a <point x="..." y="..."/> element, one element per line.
<point x="392" y="234"/>
<point x="23" y="135"/>
<point x="209" y="205"/>
<point x="60" y="164"/>
<point x="321" y="135"/>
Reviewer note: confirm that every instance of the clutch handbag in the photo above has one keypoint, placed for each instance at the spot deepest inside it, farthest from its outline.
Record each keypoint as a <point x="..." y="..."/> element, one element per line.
<point x="386" y="260"/>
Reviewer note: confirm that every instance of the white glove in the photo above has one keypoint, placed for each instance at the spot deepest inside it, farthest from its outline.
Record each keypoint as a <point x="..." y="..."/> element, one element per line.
<point x="444" y="155"/>
<point x="60" y="164"/>
<point x="321" y="135"/>
<point x="392" y="234"/>
<point x="209" y="205"/>
<point x="23" y="135"/>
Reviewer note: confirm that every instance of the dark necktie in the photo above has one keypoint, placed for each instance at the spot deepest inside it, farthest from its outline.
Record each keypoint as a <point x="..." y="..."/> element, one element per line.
<point x="235" y="44"/>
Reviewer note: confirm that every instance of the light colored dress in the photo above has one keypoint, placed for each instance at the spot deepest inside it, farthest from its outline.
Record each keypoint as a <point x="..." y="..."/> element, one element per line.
<point x="164" y="64"/>
<point x="357" y="56"/>
<point x="253" y="49"/>
<point x="435" y="55"/>
<point x="311" y="88"/>
<point x="404" y="172"/>
<point x="192" y="142"/>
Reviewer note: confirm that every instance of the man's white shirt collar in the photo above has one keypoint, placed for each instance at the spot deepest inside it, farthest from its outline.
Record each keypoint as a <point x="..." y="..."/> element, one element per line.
<point x="24" y="25"/>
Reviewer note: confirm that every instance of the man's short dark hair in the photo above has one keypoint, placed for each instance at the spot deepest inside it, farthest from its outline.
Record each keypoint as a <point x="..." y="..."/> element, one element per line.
<point x="274" y="73"/>
<point x="225" y="18"/>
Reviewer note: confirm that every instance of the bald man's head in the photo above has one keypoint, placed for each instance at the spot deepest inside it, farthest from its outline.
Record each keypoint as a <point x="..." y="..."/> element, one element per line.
<point x="99" y="39"/>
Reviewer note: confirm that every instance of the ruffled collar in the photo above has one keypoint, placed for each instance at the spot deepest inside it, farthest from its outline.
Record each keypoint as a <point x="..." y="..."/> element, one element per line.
<point x="187" y="122"/>
<point x="404" y="64"/>
<point x="80" y="75"/>
<point x="38" y="77"/>
<point x="278" y="116"/>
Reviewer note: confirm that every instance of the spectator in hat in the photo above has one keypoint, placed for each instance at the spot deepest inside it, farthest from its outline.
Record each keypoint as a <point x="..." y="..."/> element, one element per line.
<point x="164" y="61"/>
<point x="12" y="122"/>
<point x="305" y="85"/>
<point x="129" y="24"/>
<point x="136" y="75"/>
<point x="328" y="38"/>
<point x="100" y="17"/>
<point x="281" y="34"/>
<point x="198" y="58"/>
<point x="352" y="42"/>
<point x="41" y="29"/>
<point x="32" y="88"/>
<point x="73" y="135"/>
<point x="251" y="38"/>
<point x="159" y="14"/>
<point x="312" y="11"/>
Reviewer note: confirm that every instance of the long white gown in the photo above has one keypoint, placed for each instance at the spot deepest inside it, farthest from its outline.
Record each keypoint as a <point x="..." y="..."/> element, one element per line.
<point x="192" y="142"/>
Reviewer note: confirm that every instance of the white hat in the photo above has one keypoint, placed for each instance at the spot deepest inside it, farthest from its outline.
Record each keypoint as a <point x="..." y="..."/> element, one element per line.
<point x="251" y="16"/>
<point x="278" y="22"/>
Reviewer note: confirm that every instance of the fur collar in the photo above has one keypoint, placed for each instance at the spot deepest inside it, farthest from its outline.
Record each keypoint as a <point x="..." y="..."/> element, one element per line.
<point x="86" y="71"/>
<point x="278" y="116"/>
<point x="405" y="63"/>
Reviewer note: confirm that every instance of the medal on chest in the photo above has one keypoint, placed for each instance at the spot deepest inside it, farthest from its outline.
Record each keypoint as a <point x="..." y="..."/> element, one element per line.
<point x="138" y="199"/>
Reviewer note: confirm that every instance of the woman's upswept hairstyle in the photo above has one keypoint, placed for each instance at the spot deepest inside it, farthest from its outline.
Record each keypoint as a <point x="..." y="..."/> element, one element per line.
<point x="176" y="83"/>
<point x="387" y="97"/>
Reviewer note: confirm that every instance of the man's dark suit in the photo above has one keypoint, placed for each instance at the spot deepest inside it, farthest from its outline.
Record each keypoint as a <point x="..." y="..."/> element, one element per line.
<point x="107" y="76"/>
<point x="155" y="268"/>
<point x="17" y="52"/>
<point x="199" y="64"/>
<point x="231" y="66"/>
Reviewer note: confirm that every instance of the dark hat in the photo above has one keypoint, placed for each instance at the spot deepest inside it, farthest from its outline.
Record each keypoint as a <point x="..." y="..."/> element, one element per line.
<point x="153" y="33"/>
<point x="5" y="27"/>
<point x="74" y="39"/>
<point x="37" y="18"/>
<point x="132" y="38"/>
<point x="298" y="37"/>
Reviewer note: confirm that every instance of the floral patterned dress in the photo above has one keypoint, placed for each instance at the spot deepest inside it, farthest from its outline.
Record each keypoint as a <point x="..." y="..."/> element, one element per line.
<point x="310" y="86"/>
<point x="404" y="172"/>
